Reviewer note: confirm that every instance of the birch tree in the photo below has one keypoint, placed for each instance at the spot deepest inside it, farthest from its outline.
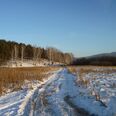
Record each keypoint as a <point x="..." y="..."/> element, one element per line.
<point x="15" y="54"/>
<point x="34" y="55"/>
<point x="22" y="54"/>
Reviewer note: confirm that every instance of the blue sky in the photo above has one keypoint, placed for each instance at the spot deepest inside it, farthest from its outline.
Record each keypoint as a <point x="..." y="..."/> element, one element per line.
<point x="83" y="27"/>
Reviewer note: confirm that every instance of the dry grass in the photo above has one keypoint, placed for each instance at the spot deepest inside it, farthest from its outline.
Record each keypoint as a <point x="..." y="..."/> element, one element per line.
<point x="13" y="78"/>
<point x="72" y="69"/>
<point x="91" y="69"/>
<point x="81" y="71"/>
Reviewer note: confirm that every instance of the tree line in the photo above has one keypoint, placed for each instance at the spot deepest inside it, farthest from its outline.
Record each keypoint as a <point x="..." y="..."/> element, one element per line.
<point x="98" y="61"/>
<point x="10" y="50"/>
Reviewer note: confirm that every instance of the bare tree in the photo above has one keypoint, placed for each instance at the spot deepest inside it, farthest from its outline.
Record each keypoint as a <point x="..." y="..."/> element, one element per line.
<point x="68" y="58"/>
<point x="38" y="54"/>
<point x="12" y="55"/>
<point x="22" y="53"/>
<point x="50" y="55"/>
<point x="34" y="55"/>
<point x="15" y="54"/>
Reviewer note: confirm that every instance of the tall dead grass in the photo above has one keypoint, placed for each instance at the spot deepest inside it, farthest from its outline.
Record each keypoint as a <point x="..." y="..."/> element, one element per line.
<point x="80" y="72"/>
<point x="13" y="78"/>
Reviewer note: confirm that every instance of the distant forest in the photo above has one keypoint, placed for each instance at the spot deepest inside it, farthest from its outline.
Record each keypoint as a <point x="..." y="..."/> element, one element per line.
<point x="10" y="50"/>
<point x="96" y="61"/>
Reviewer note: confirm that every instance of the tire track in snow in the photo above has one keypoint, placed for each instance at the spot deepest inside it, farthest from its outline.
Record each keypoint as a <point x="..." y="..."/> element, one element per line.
<point x="50" y="98"/>
<point x="55" y="93"/>
<point x="27" y="108"/>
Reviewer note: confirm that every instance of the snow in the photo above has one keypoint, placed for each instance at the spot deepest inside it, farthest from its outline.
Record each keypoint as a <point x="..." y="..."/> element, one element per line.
<point x="102" y="84"/>
<point x="10" y="102"/>
<point x="14" y="103"/>
<point x="30" y="63"/>
<point x="61" y="95"/>
<point x="26" y="63"/>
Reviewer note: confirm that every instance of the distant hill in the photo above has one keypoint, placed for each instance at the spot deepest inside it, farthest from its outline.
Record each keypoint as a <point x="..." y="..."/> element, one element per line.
<point x="112" y="54"/>
<point x="105" y="59"/>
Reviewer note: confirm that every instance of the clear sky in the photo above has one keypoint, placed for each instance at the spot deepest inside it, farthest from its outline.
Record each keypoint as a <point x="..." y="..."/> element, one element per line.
<point x="83" y="27"/>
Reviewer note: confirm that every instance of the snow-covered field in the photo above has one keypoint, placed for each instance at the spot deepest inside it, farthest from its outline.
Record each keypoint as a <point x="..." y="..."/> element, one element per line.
<point x="63" y="94"/>
<point x="97" y="90"/>
<point x="29" y="63"/>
